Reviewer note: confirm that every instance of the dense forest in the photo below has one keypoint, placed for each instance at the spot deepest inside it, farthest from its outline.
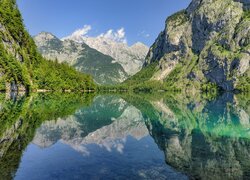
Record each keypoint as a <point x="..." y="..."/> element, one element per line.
<point x="22" y="67"/>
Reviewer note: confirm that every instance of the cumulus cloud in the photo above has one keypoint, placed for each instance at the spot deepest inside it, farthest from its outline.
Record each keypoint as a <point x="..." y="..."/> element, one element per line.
<point x="144" y="34"/>
<point x="118" y="36"/>
<point x="82" y="32"/>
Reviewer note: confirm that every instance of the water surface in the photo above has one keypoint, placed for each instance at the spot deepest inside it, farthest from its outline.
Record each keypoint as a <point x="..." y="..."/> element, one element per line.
<point x="87" y="136"/>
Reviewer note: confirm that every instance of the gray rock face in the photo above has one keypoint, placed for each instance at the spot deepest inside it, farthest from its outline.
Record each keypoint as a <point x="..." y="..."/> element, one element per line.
<point x="216" y="32"/>
<point x="103" y="68"/>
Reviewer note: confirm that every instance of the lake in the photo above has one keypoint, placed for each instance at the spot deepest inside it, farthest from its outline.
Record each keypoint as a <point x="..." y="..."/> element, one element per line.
<point x="124" y="136"/>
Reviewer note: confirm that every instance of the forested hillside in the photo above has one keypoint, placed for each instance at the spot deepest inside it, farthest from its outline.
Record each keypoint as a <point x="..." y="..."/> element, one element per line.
<point x="22" y="68"/>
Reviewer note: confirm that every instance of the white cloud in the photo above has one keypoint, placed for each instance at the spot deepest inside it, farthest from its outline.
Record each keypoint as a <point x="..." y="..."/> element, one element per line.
<point x="144" y="34"/>
<point x="118" y="36"/>
<point x="82" y="32"/>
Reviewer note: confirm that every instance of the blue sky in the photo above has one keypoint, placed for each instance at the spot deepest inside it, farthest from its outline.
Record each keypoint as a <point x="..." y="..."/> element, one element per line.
<point x="142" y="20"/>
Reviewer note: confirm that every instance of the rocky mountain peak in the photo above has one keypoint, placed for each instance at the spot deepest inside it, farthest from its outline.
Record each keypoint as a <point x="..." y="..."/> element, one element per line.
<point x="208" y="43"/>
<point x="46" y="40"/>
<point x="139" y="45"/>
<point x="45" y="36"/>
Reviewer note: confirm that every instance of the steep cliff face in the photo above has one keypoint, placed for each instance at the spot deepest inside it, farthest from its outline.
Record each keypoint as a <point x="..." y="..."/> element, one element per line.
<point x="208" y="43"/>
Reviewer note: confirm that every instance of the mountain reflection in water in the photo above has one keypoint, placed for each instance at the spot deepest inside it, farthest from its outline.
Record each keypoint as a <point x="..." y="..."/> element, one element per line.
<point x="205" y="139"/>
<point x="138" y="136"/>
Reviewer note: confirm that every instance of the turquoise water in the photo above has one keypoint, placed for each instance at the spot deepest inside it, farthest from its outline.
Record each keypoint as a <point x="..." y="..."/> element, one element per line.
<point x="136" y="136"/>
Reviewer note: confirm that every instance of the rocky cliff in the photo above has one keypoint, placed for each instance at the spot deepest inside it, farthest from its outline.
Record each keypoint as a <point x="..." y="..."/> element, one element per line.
<point x="206" y="44"/>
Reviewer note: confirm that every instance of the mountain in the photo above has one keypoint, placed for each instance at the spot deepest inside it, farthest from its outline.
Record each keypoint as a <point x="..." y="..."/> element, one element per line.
<point x="103" y="68"/>
<point x="22" y="68"/>
<point x="130" y="57"/>
<point x="203" y="47"/>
